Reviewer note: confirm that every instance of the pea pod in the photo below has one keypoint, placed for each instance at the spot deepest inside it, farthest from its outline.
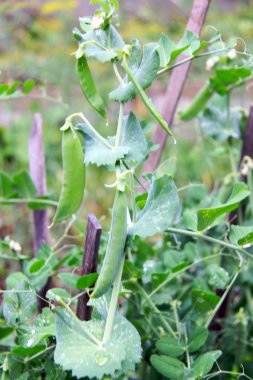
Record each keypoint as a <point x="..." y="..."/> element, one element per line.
<point x="198" y="103"/>
<point x="147" y="102"/>
<point x="74" y="176"/>
<point x="115" y="247"/>
<point x="89" y="88"/>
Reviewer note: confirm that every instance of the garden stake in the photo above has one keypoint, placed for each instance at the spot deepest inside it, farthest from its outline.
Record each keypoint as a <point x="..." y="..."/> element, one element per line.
<point x="38" y="175"/>
<point x="175" y="86"/>
<point x="90" y="259"/>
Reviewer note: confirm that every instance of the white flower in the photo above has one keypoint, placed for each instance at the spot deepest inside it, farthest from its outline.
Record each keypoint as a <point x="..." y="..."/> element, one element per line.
<point x="211" y="62"/>
<point x="97" y="21"/>
<point x="15" y="246"/>
<point x="232" y="54"/>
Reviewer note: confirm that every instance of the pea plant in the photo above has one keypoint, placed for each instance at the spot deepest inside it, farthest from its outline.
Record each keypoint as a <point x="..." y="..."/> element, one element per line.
<point x="172" y="256"/>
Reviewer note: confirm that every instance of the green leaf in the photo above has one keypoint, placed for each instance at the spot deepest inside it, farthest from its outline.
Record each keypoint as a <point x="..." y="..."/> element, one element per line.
<point x="241" y="235"/>
<point x="170" y="346"/>
<point x="89" y="88"/>
<point x="144" y="75"/>
<point x="166" y="47"/>
<point x="108" y="6"/>
<point x="13" y="88"/>
<point x="169" y="367"/>
<point x="216" y="123"/>
<point x="103" y="45"/>
<point x="204" y="301"/>
<point x="6" y="186"/>
<point x="28" y="85"/>
<point x="204" y="363"/>
<point x="86" y="281"/>
<point x="197" y="338"/>
<point x="27" y="351"/>
<point x="34" y="265"/>
<point x="160" y="209"/>
<point x="207" y="216"/>
<point x="20" y="304"/>
<point x="69" y="279"/>
<point x="133" y="140"/>
<point x="24" y="185"/>
<point x="52" y="294"/>
<point x="76" y="352"/>
<point x="3" y="88"/>
<point x="217" y="276"/>
<point x="227" y="78"/>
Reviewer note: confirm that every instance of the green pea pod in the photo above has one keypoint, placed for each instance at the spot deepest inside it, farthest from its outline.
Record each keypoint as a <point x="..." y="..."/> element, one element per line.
<point x="74" y="176"/>
<point x="115" y="247"/>
<point x="198" y="103"/>
<point x="89" y="88"/>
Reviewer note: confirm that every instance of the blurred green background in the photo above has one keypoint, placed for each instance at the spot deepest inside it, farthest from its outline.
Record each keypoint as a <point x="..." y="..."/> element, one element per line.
<point x="36" y="43"/>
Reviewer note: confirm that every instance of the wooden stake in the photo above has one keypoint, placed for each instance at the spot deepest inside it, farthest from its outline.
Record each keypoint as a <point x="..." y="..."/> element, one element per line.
<point x="90" y="259"/>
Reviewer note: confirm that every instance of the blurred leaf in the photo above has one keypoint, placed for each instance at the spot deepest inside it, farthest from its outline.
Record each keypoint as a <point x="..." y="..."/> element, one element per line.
<point x="86" y="281"/>
<point x="217" y="276"/>
<point x="35" y="265"/>
<point x="28" y="85"/>
<point x="69" y="279"/>
<point x="207" y="216"/>
<point x="197" y="338"/>
<point x="204" y="301"/>
<point x="169" y="367"/>
<point x="241" y="235"/>
<point x="52" y="294"/>
<point x="204" y="363"/>
<point x="170" y="346"/>
<point x="6" y="186"/>
<point x="24" y="185"/>
<point x="227" y="78"/>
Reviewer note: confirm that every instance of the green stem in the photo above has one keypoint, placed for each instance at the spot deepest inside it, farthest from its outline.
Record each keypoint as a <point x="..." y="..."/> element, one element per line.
<point x="200" y="235"/>
<point x="150" y="106"/>
<point x="133" y="198"/>
<point x="26" y="360"/>
<point x="48" y="202"/>
<point x="117" y="74"/>
<point x="163" y="320"/>
<point x="250" y="185"/>
<point x="113" y="304"/>
<point x="120" y="124"/>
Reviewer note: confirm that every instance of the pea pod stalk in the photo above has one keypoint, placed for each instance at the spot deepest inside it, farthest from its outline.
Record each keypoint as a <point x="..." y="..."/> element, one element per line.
<point x="115" y="247"/>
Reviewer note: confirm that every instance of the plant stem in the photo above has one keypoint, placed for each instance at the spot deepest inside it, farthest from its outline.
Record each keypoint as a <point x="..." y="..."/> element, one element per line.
<point x="250" y="185"/>
<point x="200" y="235"/>
<point x="120" y="124"/>
<point x="133" y="198"/>
<point x="117" y="74"/>
<point x="28" y="200"/>
<point x="163" y="320"/>
<point x="113" y="303"/>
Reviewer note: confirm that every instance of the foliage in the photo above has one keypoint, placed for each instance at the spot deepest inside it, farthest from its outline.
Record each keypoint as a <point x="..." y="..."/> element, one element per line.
<point x="172" y="284"/>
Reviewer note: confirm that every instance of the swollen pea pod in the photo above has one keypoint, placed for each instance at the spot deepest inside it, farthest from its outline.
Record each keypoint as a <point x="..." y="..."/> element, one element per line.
<point x="74" y="176"/>
<point x="115" y="247"/>
<point x="89" y="88"/>
<point x="150" y="106"/>
<point x="198" y="103"/>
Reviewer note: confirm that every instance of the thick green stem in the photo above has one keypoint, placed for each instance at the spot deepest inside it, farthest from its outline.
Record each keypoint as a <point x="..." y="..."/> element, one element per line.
<point x="120" y="125"/>
<point x="113" y="304"/>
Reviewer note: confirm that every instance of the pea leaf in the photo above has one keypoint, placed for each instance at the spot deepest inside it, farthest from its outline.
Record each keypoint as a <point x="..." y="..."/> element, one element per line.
<point x="169" y="367"/>
<point x="204" y="301"/>
<point x="197" y="338"/>
<point x="204" y="363"/>
<point x="160" y="209"/>
<point x="53" y="293"/>
<point x="241" y="235"/>
<point x="170" y="346"/>
<point x="28" y="85"/>
<point x="86" y="281"/>
<point x="227" y="78"/>
<point x="69" y="279"/>
<point x="24" y="185"/>
<point x="144" y="74"/>
<point x="207" y="216"/>
<point x="102" y="45"/>
<point x="76" y="352"/>
<point x="217" y="276"/>
<point x="6" y="186"/>
<point x="35" y="266"/>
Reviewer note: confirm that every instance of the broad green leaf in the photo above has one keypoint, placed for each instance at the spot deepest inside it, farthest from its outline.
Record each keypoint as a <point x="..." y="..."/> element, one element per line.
<point x="6" y="186"/>
<point x="24" y="185"/>
<point x="216" y="123"/>
<point x="133" y="139"/>
<point x="77" y="353"/>
<point x="160" y="209"/>
<point x="204" y="363"/>
<point x="227" y="78"/>
<point x="197" y="338"/>
<point x="203" y="301"/>
<point x="217" y="276"/>
<point x="52" y="294"/>
<point x="86" y="281"/>
<point x="27" y="351"/>
<point x="207" y="216"/>
<point x="170" y="346"/>
<point x="98" y="150"/>
<point x="42" y="329"/>
<point x="69" y="279"/>
<point x="169" y="367"/>
<point x="241" y="235"/>
<point x="102" y="45"/>
<point x="34" y="266"/>
<point x="28" y="85"/>
<point x="166" y="47"/>
<point x="20" y="303"/>
<point x="144" y="75"/>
